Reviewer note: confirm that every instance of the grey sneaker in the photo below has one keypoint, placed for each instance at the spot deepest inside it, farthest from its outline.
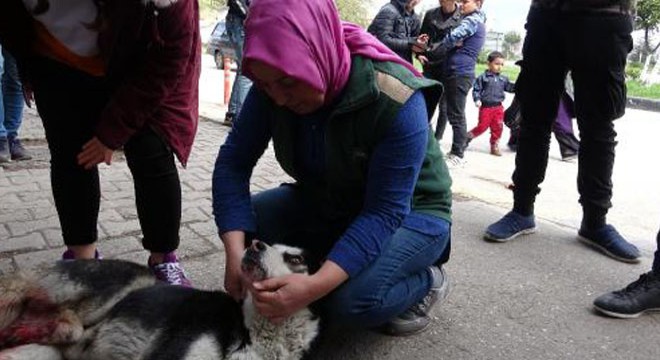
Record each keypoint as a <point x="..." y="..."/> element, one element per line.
<point x="416" y="319"/>
<point x="4" y="150"/>
<point x="17" y="150"/>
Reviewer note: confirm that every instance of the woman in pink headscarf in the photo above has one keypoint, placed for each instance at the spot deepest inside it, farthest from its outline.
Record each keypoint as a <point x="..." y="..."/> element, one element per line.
<point x="371" y="198"/>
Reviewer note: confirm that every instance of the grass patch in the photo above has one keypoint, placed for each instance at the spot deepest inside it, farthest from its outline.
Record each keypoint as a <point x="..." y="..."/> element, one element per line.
<point x="637" y="89"/>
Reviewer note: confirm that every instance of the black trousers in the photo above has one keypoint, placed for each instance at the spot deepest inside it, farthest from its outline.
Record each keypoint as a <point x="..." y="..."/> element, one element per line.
<point x="456" y="92"/>
<point x="69" y="103"/>
<point x="594" y="48"/>
<point x="434" y="97"/>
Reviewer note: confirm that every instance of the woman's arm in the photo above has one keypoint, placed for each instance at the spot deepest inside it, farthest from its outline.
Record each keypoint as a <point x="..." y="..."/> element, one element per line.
<point x="393" y="170"/>
<point x="232" y="207"/>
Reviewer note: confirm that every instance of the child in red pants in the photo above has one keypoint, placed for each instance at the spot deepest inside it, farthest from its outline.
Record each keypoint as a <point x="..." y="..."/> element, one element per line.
<point x="488" y="94"/>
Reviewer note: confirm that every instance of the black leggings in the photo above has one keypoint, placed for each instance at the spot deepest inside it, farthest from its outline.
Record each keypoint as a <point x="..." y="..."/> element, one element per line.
<point x="69" y="103"/>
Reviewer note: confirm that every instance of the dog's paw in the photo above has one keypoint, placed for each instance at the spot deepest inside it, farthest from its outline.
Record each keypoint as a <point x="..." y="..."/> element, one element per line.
<point x="68" y="328"/>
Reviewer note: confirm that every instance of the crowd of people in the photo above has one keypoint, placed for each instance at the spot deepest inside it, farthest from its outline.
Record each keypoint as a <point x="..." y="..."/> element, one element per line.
<point x="349" y="117"/>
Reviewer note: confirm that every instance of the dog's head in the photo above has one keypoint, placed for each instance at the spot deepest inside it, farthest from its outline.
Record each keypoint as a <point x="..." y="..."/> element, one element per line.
<point x="262" y="261"/>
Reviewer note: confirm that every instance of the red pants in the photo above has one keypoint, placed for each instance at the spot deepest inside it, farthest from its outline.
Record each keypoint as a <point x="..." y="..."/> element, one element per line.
<point x="490" y="117"/>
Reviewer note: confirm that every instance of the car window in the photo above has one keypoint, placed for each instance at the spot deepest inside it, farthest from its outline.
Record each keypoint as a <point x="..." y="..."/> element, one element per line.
<point x="219" y="29"/>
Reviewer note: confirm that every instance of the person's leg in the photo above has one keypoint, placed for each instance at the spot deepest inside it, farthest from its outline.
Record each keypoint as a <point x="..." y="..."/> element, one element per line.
<point x="600" y="98"/>
<point x="242" y="84"/>
<point x="398" y="279"/>
<point x="12" y="96"/>
<point x="538" y="87"/>
<point x="563" y="130"/>
<point x="69" y="102"/>
<point x="157" y="190"/>
<point x="457" y="90"/>
<point x="158" y="202"/>
<point x="482" y="125"/>
<point x="496" y="125"/>
<point x="432" y="96"/>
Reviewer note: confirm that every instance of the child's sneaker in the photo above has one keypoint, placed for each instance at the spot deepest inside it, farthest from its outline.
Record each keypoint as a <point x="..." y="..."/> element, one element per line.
<point x="608" y="241"/>
<point x="170" y="271"/>
<point x="495" y="150"/>
<point x="69" y="256"/>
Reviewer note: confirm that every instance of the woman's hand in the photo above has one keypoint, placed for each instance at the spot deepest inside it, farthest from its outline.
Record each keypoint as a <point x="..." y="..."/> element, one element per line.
<point x="235" y="284"/>
<point x="94" y="153"/>
<point x="280" y="297"/>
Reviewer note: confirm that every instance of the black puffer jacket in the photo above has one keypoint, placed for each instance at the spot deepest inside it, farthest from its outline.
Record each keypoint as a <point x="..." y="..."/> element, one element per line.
<point x="437" y="25"/>
<point x="396" y="28"/>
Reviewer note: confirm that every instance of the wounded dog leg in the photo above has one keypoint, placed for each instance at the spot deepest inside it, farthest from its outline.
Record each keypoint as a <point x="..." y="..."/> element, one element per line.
<point x="30" y="317"/>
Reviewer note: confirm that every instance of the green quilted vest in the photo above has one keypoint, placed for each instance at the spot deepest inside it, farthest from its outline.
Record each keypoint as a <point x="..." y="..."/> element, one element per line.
<point x="370" y="102"/>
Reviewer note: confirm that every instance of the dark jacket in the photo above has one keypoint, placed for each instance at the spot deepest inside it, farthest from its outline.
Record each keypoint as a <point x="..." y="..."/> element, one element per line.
<point x="437" y="25"/>
<point x="489" y="88"/>
<point x="238" y="8"/>
<point x="612" y="5"/>
<point x="152" y="54"/>
<point x="396" y="28"/>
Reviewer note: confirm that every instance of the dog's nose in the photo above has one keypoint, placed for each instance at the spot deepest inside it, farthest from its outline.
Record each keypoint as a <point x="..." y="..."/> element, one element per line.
<point x="258" y="245"/>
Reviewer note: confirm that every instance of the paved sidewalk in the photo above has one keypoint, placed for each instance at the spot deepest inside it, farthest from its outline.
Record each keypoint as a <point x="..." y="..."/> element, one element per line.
<point x="528" y="299"/>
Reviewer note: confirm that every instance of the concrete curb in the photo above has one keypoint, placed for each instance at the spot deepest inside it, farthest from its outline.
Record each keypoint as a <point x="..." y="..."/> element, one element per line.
<point x="643" y="104"/>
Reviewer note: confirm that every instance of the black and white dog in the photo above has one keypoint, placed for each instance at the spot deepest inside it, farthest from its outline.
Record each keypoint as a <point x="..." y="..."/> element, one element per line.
<point x="112" y="310"/>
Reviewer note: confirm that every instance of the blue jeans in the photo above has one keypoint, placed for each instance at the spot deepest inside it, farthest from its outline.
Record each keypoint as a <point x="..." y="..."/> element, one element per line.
<point x="242" y="85"/>
<point x="397" y="279"/>
<point x="11" y="106"/>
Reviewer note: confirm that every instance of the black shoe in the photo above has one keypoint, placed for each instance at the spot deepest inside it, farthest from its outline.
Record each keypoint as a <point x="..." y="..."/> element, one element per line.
<point x="229" y="119"/>
<point x="416" y="319"/>
<point x="4" y="150"/>
<point x="640" y="296"/>
<point x="17" y="151"/>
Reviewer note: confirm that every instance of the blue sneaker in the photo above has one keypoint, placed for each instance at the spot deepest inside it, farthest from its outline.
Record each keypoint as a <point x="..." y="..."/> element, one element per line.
<point x="608" y="241"/>
<point x="510" y="226"/>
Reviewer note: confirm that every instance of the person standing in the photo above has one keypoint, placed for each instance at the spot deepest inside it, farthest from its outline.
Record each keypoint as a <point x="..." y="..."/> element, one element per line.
<point x="105" y="76"/>
<point x="11" y="110"/>
<point x="234" y="21"/>
<point x="397" y="26"/>
<point x="437" y="23"/>
<point x="488" y="94"/>
<point x="572" y="36"/>
<point x="461" y="47"/>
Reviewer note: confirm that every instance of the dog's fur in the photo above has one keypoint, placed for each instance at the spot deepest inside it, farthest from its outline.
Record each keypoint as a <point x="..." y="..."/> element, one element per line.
<point x="125" y="314"/>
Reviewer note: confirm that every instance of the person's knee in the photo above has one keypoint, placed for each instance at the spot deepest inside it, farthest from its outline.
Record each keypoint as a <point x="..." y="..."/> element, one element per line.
<point x="358" y="310"/>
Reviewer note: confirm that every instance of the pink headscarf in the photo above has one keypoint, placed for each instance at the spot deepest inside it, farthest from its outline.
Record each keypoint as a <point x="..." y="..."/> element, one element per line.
<point x="306" y="40"/>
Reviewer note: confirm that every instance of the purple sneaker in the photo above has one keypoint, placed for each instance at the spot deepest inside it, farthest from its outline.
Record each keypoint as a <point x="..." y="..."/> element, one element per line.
<point x="170" y="271"/>
<point x="68" y="255"/>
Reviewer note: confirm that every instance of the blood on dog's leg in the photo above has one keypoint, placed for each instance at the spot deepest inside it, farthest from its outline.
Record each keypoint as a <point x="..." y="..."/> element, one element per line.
<point x="14" y="290"/>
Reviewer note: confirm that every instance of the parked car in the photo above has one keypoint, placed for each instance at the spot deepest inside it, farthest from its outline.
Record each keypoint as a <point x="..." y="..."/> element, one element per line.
<point x="219" y="45"/>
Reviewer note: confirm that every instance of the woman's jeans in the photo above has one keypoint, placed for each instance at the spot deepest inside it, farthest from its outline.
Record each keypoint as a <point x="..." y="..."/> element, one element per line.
<point x="594" y="48"/>
<point x="242" y="85"/>
<point x="70" y="102"/>
<point x="11" y="97"/>
<point x="397" y="279"/>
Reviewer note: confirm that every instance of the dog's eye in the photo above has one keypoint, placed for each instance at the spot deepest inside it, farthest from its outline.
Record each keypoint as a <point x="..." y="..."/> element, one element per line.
<point x="293" y="259"/>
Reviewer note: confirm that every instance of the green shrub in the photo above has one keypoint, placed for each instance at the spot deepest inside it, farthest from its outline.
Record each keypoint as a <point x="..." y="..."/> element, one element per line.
<point x="634" y="70"/>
